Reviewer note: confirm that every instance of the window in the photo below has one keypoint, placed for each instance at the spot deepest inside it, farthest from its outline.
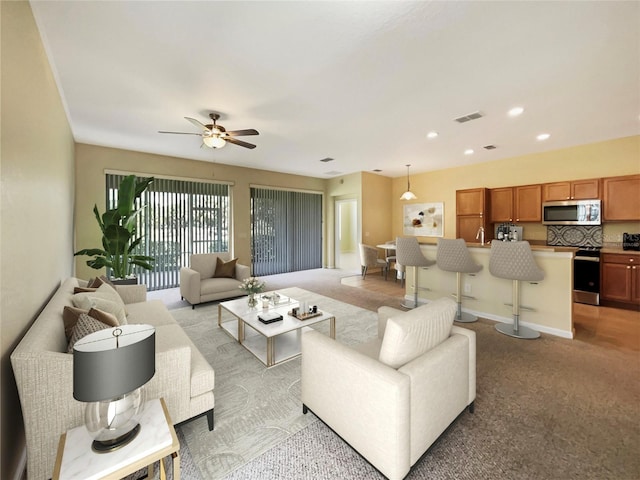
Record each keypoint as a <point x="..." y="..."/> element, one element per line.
<point x="180" y="218"/>
<point x="286" y="231"/>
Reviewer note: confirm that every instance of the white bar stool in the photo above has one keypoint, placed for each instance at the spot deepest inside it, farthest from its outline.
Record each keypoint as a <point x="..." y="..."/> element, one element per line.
<point x="408" y="254"/>
<point x="454" y="256"/>
<point x="514" y="261"/>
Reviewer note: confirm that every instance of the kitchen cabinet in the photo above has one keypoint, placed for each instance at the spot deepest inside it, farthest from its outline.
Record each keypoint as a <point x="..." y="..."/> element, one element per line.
<point x="471" y="202"/>
<point x="516" y="204"/>
<point x="472" y="207"/>
<point x="621" y="198"/>
<point x="620" y="279"/>
<point x="502" y="205"/>
<point x="576" y="190"/>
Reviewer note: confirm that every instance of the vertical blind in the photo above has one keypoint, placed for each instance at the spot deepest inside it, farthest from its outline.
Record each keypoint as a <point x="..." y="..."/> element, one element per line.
<point x="286" y="231"/>
<point x="180" y="218"/>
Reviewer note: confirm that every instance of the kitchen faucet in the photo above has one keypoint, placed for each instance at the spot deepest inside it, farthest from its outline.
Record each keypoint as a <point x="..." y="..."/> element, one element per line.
<point x="480" y="234"/>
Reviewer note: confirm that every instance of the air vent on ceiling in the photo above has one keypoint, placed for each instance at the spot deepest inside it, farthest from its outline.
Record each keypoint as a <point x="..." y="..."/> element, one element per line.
<point x="471" y="116"/>
<point x="333" y="173"/>
<point x="326" y="160"/>
<point x="377" y="170"/>
<point x="489" y="147"/>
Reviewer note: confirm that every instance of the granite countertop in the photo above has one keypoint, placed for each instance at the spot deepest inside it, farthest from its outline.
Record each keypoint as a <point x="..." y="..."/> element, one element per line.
<point x="540" y="245"/>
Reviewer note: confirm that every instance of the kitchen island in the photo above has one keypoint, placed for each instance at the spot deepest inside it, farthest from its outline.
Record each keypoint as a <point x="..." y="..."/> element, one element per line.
<point x="551" y="299"/>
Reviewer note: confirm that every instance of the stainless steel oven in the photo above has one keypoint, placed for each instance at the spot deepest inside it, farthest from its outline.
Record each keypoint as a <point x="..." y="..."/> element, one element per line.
<point x="586" y="276"/>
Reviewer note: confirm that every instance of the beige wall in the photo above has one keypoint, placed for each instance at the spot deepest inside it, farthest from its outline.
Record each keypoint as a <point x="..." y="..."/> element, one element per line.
<point x="376" y="208"/>
<point x="92" y="162"/>
<point x="602" y="159"/>
<point x="36" y="201"/>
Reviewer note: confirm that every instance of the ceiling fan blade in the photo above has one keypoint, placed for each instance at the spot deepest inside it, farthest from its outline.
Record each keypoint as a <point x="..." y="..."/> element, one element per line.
<point x="239" y="142"/>
<point x="237" y="133"/>
<point x="197" y="123"/>
<point x="182" y="133"/>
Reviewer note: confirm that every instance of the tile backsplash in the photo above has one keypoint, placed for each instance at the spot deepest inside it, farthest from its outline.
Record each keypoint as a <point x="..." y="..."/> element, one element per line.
<point x="574" y="235"/>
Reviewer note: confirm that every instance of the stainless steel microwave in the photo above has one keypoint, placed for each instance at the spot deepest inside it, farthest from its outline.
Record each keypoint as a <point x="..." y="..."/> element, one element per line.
<point x="572" y="212"/>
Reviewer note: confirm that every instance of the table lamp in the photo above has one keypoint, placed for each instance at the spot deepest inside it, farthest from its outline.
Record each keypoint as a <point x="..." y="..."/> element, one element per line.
<point x="109" y="369"/>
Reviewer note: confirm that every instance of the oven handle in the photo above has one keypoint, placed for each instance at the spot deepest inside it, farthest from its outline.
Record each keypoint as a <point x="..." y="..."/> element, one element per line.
<point x="587" y="259"/>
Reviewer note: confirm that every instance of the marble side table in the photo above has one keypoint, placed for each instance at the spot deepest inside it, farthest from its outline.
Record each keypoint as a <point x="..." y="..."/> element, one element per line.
<point x="157" y="439"/>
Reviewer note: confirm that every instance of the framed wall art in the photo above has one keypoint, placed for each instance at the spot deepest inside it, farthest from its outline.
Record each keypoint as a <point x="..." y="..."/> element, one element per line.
<point x="424" y="219"/>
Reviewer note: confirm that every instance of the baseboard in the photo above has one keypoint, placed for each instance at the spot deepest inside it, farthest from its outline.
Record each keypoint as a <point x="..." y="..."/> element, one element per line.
<point x="497" y="318"/>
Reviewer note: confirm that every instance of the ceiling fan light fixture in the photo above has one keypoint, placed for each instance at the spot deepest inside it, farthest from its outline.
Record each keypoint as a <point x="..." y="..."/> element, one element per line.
<point x="408" y="195"/>
<point x="214" y="142"/>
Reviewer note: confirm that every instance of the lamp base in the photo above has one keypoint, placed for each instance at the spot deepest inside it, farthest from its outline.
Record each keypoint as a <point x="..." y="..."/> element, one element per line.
<point x="106" y="446"/>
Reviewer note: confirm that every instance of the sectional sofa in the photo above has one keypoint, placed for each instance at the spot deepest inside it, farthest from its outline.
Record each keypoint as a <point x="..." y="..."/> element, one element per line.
<point x="44" y="373"/>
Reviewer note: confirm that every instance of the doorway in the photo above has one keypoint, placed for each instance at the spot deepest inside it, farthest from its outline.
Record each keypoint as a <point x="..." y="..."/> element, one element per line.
<point x="346" y="228"/>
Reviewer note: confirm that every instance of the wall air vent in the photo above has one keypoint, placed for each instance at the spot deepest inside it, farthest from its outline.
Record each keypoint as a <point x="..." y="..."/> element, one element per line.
<point x="471" y="116"/>
<point x="489" y="147"/>
<point x="326" y="160"/>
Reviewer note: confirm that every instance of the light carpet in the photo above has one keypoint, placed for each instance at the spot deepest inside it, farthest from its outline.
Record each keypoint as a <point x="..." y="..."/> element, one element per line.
<point x="545" y="409"/>
<point x="256" y="408"/>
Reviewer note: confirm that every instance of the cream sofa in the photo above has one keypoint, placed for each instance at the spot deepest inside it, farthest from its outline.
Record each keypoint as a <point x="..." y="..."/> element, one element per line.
<point x="197" y="282"/>
<point x="392" y="414"/>
<point x="44" y="373"/>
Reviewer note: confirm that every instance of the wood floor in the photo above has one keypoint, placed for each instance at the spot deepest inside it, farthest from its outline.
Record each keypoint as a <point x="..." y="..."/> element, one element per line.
<point x="605" y="326"/>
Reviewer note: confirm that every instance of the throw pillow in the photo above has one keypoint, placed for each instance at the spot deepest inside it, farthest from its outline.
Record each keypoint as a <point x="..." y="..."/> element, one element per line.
<point x="411" y="334"/>
<point x="225" y="269"/>
<point x="70" y="316"/>
<point x="96" y="282"/>
<point x="83" y="290"/>
<point x="104" y="317"/>
<point x="84" y="327"/>
<point x="105" y="298"/>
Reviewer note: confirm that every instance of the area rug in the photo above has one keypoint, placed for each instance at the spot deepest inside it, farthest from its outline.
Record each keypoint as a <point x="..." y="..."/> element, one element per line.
<point x="256" y="408"/>
<point x="546" y="409"/>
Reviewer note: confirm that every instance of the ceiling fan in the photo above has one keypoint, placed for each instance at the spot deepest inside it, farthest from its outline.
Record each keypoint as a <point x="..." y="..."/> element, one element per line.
<point x="216" y="136"/>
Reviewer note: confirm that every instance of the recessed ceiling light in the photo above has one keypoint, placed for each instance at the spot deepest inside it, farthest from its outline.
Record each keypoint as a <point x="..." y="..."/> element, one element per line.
<point x="468" y="151"/>
<point x="543" y="136"/>
<point x="516" y="111"/>
<point x="432" y="134"/>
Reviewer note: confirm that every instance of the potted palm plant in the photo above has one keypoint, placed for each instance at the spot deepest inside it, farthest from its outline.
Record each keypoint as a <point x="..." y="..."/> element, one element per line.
<point x="119" y="235"/>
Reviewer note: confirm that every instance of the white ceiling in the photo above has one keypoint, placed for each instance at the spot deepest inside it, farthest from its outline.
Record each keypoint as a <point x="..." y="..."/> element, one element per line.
<point x="361" y="82"/>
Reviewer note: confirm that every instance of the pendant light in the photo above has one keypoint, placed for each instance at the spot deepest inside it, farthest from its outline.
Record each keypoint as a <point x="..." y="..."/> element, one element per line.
<point x="408" y="195"/>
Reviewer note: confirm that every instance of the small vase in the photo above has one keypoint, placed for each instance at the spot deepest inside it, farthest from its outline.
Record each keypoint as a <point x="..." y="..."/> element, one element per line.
<point x="252" y="301"/>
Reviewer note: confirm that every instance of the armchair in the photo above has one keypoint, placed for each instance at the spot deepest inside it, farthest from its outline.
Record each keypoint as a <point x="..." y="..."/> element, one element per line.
<point x="199" y="283"/>
<point x="391" y="398"/>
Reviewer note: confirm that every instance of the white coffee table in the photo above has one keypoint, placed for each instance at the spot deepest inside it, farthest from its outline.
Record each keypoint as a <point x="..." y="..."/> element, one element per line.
<point x="271" y="343"/>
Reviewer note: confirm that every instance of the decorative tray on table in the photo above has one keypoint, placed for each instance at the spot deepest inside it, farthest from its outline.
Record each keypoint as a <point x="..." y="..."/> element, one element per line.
<point x="304" y="316"/>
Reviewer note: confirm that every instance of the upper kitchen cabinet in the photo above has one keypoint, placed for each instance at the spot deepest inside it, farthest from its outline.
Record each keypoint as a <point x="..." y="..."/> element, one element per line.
<point x="502" y="205"/>
<point x="471" y="202"/>
<point x="621" y="198"/>
<point x="576" y="190"/>
<point x="516" y="204"/>
<point x="472" y="208"/>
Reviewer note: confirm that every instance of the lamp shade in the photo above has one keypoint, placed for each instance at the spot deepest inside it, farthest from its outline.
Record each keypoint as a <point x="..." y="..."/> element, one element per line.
<point x="408" y="195"/>
<point x="112" y="362"/>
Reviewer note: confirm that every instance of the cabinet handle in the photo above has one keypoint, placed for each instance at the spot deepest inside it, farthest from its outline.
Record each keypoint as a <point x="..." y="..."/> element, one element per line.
<point x="628" y="267"/>
<point x="631" y="259"/>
